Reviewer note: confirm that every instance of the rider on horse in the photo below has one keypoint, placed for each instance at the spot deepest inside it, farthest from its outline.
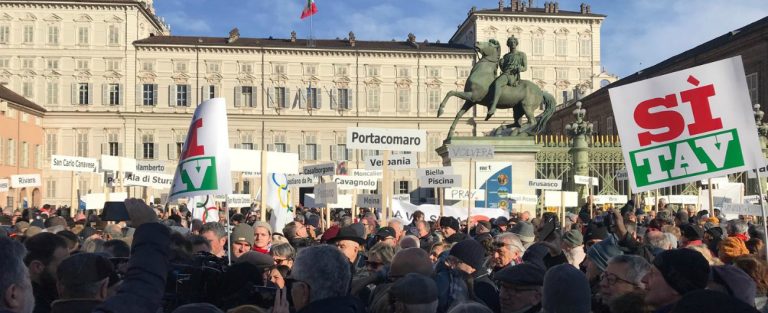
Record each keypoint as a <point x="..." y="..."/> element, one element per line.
<point x="511" y="65"/>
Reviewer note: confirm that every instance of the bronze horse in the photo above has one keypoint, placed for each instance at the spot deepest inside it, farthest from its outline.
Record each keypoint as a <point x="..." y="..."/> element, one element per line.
<point x="523" y="99"/>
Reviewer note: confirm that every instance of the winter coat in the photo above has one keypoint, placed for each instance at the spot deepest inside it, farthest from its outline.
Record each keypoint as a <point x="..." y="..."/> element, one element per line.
<point x="345" y="304"/>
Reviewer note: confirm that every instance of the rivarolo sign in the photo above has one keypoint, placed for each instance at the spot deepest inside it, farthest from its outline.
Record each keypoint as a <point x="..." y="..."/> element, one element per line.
<point x="23" y="181"/>
<point x="688" y="125"/>
<point x="387" y="139"/>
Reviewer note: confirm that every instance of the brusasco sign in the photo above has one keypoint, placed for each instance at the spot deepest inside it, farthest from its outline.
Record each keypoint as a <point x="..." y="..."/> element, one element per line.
<point x="686" y="126"/>
<point x="204" y="164"/>
<point x="387" y="139"/>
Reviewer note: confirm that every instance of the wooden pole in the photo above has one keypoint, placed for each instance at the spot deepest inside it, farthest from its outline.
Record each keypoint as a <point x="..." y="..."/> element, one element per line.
<point x="470" y="203"/>
<point x="562" y="206"/>
<point x="656" y="200"/>
<point x="386" y="208"/>
<point x="263" y="201"/>
<point x="762" y="209"/>
<point x="589" y="202"/>
<point x="441" y="199"/>
<point x="711" y="198"/>
<point x="74" y="205"/>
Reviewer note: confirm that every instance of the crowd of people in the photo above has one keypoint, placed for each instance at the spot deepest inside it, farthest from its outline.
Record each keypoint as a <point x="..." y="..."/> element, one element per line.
<point x="618" y="260"/>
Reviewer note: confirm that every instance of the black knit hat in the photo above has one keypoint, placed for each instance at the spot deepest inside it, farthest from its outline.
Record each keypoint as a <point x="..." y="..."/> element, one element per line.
<point x="709" y="301"/>
<point x="451" y="222"/>
<point x="470" y="252"/>
<point x="684" y="270"/>
<point x="525" y="274"/>
<point x="692" y="231"/>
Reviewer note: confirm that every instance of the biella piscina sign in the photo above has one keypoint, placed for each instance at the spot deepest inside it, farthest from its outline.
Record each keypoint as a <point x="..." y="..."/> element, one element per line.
<point x="204" y="164"/>
<point x="686" y="126"/>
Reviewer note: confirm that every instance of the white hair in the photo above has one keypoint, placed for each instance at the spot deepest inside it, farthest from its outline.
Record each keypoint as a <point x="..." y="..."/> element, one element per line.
<point x="327" y="279"/>
<point x="672" y="240"/>
<point x="400" y="225"/>
<point x="511" y="240"/>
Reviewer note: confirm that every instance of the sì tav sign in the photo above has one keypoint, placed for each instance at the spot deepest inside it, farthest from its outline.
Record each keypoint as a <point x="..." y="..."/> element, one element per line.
<point x="686" y="126"/>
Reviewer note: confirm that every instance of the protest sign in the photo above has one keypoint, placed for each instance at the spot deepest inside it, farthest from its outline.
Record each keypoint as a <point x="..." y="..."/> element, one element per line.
<point x="326" y="169"/>
<point x="715" y="181"/>
<point x="369" y="201"/>
<point x="150" y="166"/>
<point x="477" y="152"/>
<point x="683" y="199"/>
<point x="742" y="209"/>
<point x="239" y="200"/>
<point x="204" y="164"/>
<point x="154" y="180"/>
<point x="355" y="182"/>
<point x="460" y="194"/>
<point x="342" y="201"/>
<point x="5" y="185"/>
<point x="404" y="210"/>
<point x="114" y="163"/>
<point x="523" y="199"/>
<point x="95" y="201"/>
<point x="546" y="184"/>
<point x="302" y="180"/>
<point x="326" y="193"/>
<point x="434" y="171"/>
<point x="688" y="125"/>
<point x="621" y="175"/>
<point x="610" y="199"/>
<point x="278" y="198"/>
<point x="414" y="140"/>
<point x="555" y="198"/>
<point x="442" y="181"/>
<point x="725" y="193"/>
<point x="395" y="162"/>
<point x="28" y="180"/>
<point x="249" y="162"/>
<point x="586" y="180"/>
<point x="367" y="173"/>
<point x="753" y="199"/>
<point x="74" y="164"/>
<point x="402" y="197"/>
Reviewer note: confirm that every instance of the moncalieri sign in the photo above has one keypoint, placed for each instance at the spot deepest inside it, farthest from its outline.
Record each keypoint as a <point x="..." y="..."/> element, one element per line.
<point x="686" y="126"/>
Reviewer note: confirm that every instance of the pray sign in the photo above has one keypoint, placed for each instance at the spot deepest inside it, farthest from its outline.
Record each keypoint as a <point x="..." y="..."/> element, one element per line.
<point x="688" y="125"/>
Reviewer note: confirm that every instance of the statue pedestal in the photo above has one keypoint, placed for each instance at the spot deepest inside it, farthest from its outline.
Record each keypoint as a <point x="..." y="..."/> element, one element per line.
<point x="517" y="152"/>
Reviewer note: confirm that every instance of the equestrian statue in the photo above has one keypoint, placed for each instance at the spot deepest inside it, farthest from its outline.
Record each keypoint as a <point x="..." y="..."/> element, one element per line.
<point x="507" y="91"/>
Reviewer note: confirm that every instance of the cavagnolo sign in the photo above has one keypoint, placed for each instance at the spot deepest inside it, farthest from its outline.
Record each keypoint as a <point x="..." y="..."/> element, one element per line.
<point x="688" y="125"/>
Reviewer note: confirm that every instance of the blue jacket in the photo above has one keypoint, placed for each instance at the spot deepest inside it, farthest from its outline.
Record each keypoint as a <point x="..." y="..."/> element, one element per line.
<point x="144" y="283"/>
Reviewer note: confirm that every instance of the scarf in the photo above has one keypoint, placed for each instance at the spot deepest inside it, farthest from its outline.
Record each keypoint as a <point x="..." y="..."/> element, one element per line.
<point x="743" y="237"/>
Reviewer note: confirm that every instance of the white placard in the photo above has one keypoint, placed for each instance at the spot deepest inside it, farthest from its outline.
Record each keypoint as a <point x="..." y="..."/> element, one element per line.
<point x="434" y="171"/>
<point x="249" y="162"/>
<point x="325" y="169"/>
<point x="443" y="181"/>
<point x="355" y="182"/>
<point x="476" y="152"/>
<point x="462" y="194"/>
<point x="652" y="200"/>
<point x="396" y="162"/>
<point x="725" y="193"/>
<point x="683" y="199"/>
<point x="404" y="210"/>
<point x="326" y="193"/>
<point x="343" y="201"/>
<point x="74" y="164"/>
<point x="586" y="180"/>
<point x="114" y="163"/>
<point x="622" y="175"/>
<point x="553" y="198"/>
<point x="414" y="140"/>
<point x="614" y="199"/>
<point x="367" y="173"/>
<point x="402" y="197"/>
<point x="154" y="180"/>
<point x="5" y="185"/>
<point x="95" y="201"/>
<point x="302" y="180"/>
<point x="742" y="209"/>
<point x="24" y="181"/>
<point x="546" y="184"/>
<point x="239" y="200"/>
<point x="151" y="166"/>
<point x="369" y="201"/>
<point x="523" y="199"/>
<point x="716" y="181"/>
<point x="686" y="126"/>
<point x="752" y="199"/>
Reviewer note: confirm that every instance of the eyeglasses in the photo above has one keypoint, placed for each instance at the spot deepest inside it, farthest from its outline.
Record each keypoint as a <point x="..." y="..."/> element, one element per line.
<point x="612" y="279"/>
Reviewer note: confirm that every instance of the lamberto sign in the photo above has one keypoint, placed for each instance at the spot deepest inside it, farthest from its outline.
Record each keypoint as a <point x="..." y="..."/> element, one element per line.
<point x="686" y="126"/>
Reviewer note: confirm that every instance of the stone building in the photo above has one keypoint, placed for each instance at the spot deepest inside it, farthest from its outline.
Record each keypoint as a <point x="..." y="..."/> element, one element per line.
<point x="749" y="42"/>
<point x="116" y="82"/>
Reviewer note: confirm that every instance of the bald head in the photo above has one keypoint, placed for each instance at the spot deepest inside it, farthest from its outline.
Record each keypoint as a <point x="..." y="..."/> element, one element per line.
<point x="410" y="260"/>
<point x="409" y="241"/>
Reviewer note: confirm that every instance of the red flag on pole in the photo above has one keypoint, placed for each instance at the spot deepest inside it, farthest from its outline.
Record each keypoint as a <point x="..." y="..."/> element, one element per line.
<point x="309" y="10"/>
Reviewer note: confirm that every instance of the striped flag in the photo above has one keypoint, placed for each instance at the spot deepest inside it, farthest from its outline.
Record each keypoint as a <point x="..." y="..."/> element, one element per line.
<point x="309" y="10"/>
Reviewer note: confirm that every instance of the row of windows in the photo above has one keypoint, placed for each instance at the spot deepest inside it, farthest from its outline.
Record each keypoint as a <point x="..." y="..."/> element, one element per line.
<point x="561" y="46"/>
<point x="52" y="34"/>
<point x="10" y="150"/>
<point x="30" y="63"/>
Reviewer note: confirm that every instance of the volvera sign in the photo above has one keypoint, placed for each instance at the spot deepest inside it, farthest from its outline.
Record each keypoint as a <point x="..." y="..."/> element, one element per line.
<point x="688" y="125"/>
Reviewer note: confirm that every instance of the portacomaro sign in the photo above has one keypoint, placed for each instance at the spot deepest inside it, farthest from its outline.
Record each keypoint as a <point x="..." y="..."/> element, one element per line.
<point x="387" y="139"/>
<point x="688" y="125"/>
<point x="355" y="182"/>
<point x="546" y="184"/>
<point x="442" y="181"/>
<point x="74" y="164"/>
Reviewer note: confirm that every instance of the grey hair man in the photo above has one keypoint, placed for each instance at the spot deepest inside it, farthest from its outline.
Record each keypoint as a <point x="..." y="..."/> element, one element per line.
<point x="15" y="285"/>
<point x="217" y="237"/>
<point x="322" y="286"/>
<point x="507" y="249"/>
<point x="399" y="227"/>
<point x="658" y="240"/>
<point x="283" y="254"/>
<point x="409" y="241"/>
<point x="738" y="228"/>
<point x="623" y="275"/>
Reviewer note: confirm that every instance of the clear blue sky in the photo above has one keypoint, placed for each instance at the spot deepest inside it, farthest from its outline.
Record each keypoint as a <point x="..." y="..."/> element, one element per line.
<point x="636" y="33"/>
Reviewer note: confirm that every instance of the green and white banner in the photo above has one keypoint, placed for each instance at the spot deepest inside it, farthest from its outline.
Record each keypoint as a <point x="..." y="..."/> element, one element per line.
<point x="204" y="164"/>
<point x="688" y="125"/>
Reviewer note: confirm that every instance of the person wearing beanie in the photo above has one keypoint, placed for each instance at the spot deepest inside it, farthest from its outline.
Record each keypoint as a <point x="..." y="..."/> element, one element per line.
<point x="468" y="256"/>
<point x="524" y="231"/>
<point x="451" y="229"/>
<point x="674" y="274"/>
<point x="414" y="293"/>
<point x="691" y="235"/>
<point x="598" y="256"/>
<point x="733" y="281"/>
<point x="573" y="247"/>
<point x="566" y="290"/>
<point x="730" y="248"/>
<point x="242" y="240"/>
<point x="520" y="288"/>
<point x="709" y="301"/>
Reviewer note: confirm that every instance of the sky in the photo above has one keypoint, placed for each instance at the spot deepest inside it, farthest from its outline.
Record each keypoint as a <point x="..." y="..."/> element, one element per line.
<point x="636" y="34"/>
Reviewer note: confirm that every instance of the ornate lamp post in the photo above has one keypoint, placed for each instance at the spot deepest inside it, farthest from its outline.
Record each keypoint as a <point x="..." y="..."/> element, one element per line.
<point x="579" y="131"/>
